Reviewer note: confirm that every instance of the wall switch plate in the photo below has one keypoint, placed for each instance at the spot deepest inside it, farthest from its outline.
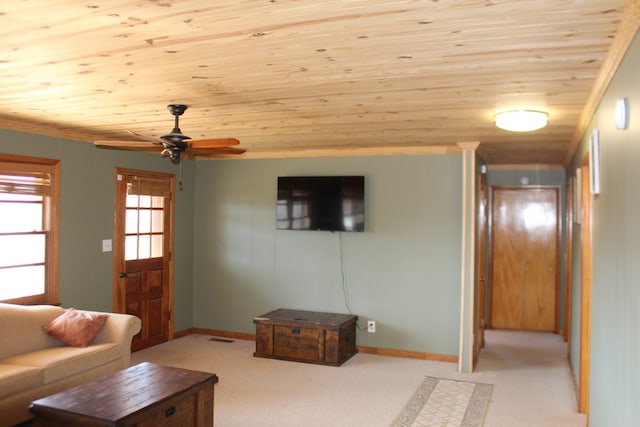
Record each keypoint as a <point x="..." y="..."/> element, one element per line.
<point x="371" y="326"/>
<point x="107" y="245"/>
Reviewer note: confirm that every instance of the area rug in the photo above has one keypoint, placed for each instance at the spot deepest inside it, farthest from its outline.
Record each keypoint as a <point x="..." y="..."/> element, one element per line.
<point x="440" y="402"/>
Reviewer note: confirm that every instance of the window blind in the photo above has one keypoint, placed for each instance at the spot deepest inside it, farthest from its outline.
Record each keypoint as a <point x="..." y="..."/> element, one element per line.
<point x="32" y="184"/>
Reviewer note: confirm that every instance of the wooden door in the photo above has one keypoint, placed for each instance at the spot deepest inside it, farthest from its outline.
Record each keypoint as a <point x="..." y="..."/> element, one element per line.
<point x="524" y="242"/>
<point x="142" y="253"/>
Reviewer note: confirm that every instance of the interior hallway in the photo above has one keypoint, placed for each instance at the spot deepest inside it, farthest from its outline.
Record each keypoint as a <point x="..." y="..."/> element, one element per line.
<point x="533" y="382"/>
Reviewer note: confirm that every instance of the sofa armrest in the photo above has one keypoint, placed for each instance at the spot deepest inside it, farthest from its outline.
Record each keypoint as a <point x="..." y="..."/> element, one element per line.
<point x="119" y="329"/>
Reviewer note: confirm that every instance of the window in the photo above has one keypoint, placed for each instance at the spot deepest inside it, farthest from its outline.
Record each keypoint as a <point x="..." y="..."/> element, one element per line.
<point x="144" y="220"/>
<point x="28" y="230"/>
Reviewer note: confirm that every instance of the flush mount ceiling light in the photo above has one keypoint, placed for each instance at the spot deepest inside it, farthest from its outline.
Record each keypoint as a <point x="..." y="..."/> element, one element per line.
<point x="521" y="120"/>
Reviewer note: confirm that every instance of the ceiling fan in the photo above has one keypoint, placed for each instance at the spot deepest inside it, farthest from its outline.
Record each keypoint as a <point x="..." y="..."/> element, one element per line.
<point x="175" y="144"/>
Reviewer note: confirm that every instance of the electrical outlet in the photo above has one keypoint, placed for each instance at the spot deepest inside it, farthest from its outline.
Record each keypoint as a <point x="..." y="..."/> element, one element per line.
<point x="371" y="326"/>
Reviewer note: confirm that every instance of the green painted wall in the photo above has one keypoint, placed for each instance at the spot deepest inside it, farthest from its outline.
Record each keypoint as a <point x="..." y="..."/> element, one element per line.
<point x="231" y="264"/>
<point x="615" y="319"/>
<point x="403" y="271"/>
<point x="86" y="218"/>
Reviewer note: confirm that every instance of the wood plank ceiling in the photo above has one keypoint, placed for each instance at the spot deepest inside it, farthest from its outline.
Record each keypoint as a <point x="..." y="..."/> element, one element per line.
<point x="314" y="78"/>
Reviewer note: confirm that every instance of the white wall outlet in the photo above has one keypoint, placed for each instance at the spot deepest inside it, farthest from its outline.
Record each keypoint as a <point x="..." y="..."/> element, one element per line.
<point x="371" y="326"/>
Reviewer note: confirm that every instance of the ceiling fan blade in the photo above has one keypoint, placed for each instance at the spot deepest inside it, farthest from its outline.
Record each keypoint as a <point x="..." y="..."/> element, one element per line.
<point x="129" y="145"/>
<point x="211" y="143"/>
<point x="147" y="137"/>
<point x="113" y="143"/>
<point x="229" y="150"/>
<point x="212" y="152"/>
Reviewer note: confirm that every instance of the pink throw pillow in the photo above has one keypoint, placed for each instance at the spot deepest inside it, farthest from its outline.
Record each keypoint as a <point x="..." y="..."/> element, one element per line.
<point x="76" y="328"/>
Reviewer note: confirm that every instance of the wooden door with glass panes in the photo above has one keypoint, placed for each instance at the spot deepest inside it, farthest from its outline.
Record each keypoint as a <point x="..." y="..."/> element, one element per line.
<point x="142" y="253"/>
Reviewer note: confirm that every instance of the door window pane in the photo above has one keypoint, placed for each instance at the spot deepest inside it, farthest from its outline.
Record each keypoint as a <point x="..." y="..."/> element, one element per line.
<point x="144" y="221"/>
<point x="156" y="245"/>
<point x="157" y="221"/>
<point x="145" y="201"/>
<point x="157" y="202"/>
<point x="132" y="201"/>
<point x="130" y="247"/>
<point x="131" y="221"/>
<point x="144" y="246"/>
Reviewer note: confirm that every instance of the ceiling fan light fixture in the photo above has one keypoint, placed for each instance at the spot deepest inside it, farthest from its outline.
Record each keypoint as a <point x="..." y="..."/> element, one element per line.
<point x="521" y="120"/>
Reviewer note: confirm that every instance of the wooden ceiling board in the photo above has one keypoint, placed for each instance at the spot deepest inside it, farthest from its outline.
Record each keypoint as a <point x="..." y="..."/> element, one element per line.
<point x="305" y="78"/>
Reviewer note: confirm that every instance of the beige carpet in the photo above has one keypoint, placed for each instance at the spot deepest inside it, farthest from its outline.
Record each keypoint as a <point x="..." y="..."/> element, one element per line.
<point x="532" y="383"/>
<point x="439" y="402"/>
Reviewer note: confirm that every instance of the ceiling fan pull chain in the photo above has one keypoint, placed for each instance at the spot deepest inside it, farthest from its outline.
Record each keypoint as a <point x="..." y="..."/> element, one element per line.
<point x="180" y="176"/>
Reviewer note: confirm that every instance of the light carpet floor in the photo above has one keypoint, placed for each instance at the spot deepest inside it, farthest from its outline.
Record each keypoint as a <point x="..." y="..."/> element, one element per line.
<point x="529" y="371"/>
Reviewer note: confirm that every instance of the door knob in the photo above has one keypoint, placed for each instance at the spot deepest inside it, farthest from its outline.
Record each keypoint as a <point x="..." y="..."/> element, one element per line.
<point x="122" y="275"/>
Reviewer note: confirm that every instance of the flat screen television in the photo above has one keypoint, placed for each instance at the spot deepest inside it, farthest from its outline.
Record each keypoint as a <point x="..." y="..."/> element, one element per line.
<point x="329" y="203"/>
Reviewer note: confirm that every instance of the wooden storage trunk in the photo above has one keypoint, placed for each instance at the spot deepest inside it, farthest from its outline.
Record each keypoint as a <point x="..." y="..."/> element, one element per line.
<point x="144" y="395"/>
<point x="306" y="336"/>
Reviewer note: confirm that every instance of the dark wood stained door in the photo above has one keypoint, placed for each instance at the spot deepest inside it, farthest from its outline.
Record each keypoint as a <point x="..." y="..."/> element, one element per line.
<point x="142" y="253"/>
<point x="524" y="247"/>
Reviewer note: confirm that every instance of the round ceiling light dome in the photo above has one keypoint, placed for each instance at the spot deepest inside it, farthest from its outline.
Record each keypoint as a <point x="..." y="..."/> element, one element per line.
<point x="521" y="120"/>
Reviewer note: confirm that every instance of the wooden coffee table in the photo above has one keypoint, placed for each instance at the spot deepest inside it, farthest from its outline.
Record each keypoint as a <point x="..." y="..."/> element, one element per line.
<point x="143" y="395"/>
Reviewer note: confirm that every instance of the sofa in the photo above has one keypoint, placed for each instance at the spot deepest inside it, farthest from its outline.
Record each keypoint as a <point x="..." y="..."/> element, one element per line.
<point x="34" y="364"/>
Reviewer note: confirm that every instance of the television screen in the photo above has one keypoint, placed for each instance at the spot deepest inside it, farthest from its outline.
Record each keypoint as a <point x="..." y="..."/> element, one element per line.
<point x="332" y="203"/>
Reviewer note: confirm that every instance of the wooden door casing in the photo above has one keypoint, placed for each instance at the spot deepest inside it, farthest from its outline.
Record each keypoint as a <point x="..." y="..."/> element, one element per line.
<point x="481" y="279"/>
<point x="570" y="215"/>
<point x="586" y="250"/>
<point x="524" y="258"/>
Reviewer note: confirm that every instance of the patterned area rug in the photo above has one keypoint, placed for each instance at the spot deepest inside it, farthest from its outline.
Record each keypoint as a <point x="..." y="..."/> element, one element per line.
<point x="440" y="402"/>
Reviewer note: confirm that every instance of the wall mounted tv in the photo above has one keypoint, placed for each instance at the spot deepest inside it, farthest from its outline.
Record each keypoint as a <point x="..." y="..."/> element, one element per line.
<point x="330" y="203"/>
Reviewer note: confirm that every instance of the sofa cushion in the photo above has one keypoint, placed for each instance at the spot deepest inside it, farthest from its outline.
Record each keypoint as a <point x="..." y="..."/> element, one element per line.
<point x="61" y="362"/>
<point x="76" y="328"/>
<point x="21" y="328"/>
<point x="17" y="378"/>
